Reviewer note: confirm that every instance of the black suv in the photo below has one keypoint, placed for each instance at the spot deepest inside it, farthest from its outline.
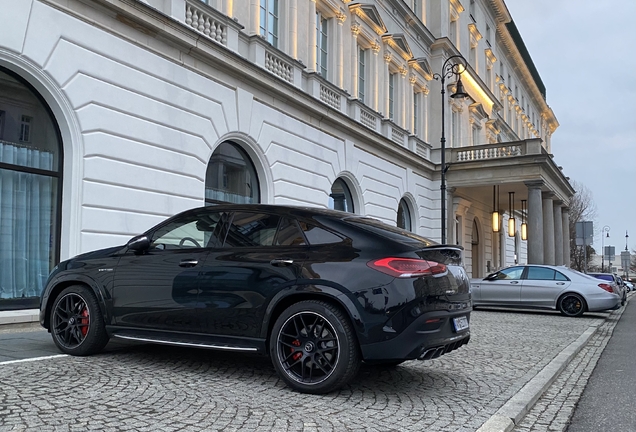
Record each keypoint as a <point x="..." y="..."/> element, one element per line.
<point x="318" y="291"/>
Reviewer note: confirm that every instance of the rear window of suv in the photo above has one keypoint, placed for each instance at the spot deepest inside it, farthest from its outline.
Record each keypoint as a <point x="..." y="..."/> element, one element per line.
<point x="388" y="231"/>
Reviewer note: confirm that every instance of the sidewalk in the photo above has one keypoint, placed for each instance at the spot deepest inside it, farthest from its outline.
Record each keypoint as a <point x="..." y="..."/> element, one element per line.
<point x="19" y="316"/>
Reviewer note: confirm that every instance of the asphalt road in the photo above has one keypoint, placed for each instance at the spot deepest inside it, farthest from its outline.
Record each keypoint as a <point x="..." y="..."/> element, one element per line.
<point x="608" y="402"/>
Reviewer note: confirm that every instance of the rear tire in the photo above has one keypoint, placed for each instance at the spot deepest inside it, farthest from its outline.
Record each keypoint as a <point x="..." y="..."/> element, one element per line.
<point x="314" y="348"/>
<point x="76" y="323"/>
<point x="572" y="305"/>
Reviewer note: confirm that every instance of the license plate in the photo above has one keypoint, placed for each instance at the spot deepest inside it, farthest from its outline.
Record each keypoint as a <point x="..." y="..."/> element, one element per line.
<point x="460" y="323"/>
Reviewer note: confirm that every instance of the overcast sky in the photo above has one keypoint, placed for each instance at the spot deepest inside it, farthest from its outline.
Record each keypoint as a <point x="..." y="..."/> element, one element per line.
<point x="585" y="52"/>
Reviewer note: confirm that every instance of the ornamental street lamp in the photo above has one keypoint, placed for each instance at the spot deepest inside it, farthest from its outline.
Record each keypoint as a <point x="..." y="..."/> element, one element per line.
<point x="449" y="69"/>
<point x="605" y="229"/>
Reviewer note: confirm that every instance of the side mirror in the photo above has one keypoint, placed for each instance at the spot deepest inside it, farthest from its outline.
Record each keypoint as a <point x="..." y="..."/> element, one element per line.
<point x="139" y="243"/>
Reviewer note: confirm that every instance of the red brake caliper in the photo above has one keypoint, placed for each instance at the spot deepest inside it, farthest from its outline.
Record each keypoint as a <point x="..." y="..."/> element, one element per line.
<point x="84" y="328"/>
<point x="297" y="355"/>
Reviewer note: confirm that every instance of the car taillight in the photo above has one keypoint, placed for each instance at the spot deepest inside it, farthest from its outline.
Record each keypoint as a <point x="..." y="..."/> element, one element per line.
<point x="606" y="287"/>
<point x="407" y="267"/>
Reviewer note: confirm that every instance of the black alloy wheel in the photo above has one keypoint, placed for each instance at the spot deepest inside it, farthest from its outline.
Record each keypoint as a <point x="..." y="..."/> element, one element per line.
<point x="572" y="305"/>
<point x="77" y="324"/>
<point x="313" y="347"/>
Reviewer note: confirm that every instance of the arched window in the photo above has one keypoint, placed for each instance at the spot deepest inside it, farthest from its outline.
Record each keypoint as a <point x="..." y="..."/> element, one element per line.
<point x="340" y="197"/>
<point x="404" y="216"/>
<point x="30" y="192"/>
<point x="231" y="176"/>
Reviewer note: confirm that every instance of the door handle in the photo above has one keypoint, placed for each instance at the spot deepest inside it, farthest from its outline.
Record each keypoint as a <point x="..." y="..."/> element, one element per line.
<point x="188" y="263"/>
<point x="281" y="262"/>
<point x="514" y="282"/>
<point x="560" y="283"/>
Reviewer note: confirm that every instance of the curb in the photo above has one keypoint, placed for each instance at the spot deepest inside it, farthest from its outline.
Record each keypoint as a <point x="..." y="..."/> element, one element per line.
<point x="19" y="316"/>
<point x="513" y="411"/>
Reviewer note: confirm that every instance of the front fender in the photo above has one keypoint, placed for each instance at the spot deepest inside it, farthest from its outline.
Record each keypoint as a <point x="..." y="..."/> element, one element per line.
<point x="61" y="281"/>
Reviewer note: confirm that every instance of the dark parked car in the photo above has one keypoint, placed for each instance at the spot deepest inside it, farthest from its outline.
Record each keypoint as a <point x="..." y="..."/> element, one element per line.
<point x="318" y="291"/>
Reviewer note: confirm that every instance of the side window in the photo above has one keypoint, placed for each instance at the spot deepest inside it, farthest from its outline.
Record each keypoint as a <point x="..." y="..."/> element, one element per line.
<point x="560" y="276"/>
<point x="192" y="231"/>
<point x="252" y="229"/>
<point x="289" y="234"/>
<point x="513" y="273"/>
<point x="540" y="273"/>
<point x="317" y="236"/>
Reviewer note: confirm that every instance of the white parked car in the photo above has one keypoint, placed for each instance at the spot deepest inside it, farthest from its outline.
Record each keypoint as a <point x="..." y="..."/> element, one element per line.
<point x="545" y="287"/>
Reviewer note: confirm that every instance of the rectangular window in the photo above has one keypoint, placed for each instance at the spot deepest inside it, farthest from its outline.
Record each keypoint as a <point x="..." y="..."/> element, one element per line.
<point x="25" y="128"/>
<point x="362" y="63"/>
<point x="391" y="95"/>
<point x="1" y="124"/>
<point x="269" y="21"/>
<point x="488" y="36"/>
<point x="475" y="136"/>
<point x="322" y="44"/>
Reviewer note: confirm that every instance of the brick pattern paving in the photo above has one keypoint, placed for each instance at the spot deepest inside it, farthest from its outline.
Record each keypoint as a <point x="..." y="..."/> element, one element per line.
<point x="157" y="388"/>
<point x="553" y="410"/>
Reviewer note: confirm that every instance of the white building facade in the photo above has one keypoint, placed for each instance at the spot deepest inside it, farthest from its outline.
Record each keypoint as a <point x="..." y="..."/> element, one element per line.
<point x="116" y="114"/>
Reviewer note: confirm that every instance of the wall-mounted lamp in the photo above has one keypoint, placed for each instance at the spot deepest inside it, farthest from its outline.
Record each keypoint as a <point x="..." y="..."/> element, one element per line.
<point x="524" y="225"/>
<point x="495" y="211"/>
<point x="511" y="221"/>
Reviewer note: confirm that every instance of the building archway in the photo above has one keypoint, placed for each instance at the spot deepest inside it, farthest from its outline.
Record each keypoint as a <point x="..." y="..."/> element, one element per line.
<point x="345" y="195"/>
<point x="231" y="176"/>
<point x="31" y="166"/>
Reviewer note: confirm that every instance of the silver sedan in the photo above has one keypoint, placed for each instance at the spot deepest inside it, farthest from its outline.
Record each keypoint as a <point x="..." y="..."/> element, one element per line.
<point x="546" y="287"/>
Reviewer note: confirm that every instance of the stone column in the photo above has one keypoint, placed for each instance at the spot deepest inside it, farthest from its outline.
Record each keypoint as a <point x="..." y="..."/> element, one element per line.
<point x="535" y="223"/>
<point x="450" y="215"/>
<point x="355" y="31"/>
<point x="293" y="29"/>
<point x="376" y="76"/>
<point x="340" y="19"/>
<point x="311" y="49"/>
<point x="558" y="234"/>
<point x="255" y="18"/>
<point x="548" y="228"/>
<point x="384" y="96"/>
<point x="565" y="217"/>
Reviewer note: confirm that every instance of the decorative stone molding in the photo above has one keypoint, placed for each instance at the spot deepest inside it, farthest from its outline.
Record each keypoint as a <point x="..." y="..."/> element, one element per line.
<point x="475" y="36"/>
<point x="456" y="9"/>
<point x="423" y="67"/>
<point x="355" y="28"/>
<point x="369" y="14"/>
<point x="387" y="57"/>
<point x="399" y="44"/>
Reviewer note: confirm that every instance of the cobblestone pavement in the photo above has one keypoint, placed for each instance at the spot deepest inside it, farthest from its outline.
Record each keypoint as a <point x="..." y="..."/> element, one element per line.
<point x="156" y="388"/>
<point x="553" y="410"/>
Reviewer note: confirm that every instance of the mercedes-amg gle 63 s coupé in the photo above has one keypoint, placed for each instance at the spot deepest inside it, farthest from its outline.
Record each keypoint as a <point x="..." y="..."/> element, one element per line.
<point x="318" y="291"/>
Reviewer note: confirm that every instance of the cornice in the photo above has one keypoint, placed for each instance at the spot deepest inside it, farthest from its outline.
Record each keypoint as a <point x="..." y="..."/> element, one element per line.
<point x="398" y="42"/>
<point x="369" y="14"/>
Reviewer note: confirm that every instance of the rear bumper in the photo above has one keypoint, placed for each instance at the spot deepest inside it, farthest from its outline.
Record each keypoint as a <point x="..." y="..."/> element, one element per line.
<point x="428" y="337"/>
<point x="603" y="302"/>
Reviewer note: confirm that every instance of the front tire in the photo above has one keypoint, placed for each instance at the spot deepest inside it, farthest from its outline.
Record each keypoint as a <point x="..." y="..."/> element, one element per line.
<point x="572" y="305"/>
<point x="314" y="348"/>
<point x="76" y="323"/>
